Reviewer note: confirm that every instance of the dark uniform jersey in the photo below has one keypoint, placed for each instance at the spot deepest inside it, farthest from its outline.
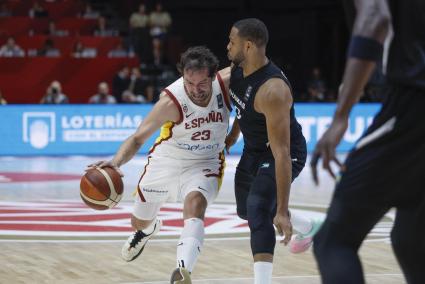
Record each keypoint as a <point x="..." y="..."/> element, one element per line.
<point x="253" y="124"/>
<point x="406" y="57"/>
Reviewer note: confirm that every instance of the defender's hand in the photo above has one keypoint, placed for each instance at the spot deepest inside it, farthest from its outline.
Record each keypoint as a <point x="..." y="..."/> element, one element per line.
<point x="284" y="227"/>
<point x="230" y="141"/>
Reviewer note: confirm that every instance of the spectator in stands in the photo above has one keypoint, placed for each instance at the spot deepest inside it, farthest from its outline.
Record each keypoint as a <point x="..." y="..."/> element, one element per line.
<point x="119" y="52"/>
<point x="140" y="38"/>
<point x="138" y="87"/>
<point x="11" y="49"/>
<point x="54" y="95"/>
<point x="139" y="19"/>
<point x="53" y="31"/>
<point x="102" y="96"/>
<point x="316" y="87"/>
<point x="89" y="13"/>
<point x="159" y="58"/>
<point x="48" y="49"/>
<point x="4" y="11"/>
<point x="79" y="51"/>
<point x="37" y="11"/>
<point x="2" y="100"/>
<point x="103" y="30"/>
<point x="160" y="21"/>
<point x="120" y="83"/>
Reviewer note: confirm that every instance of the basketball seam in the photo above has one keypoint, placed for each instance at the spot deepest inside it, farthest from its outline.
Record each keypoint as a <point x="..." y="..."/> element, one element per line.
<point x="113" y="194"/>
<point x="94" y="201"/>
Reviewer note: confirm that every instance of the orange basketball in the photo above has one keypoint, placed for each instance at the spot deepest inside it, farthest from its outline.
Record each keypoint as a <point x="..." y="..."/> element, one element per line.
<point x="101" y="188"/>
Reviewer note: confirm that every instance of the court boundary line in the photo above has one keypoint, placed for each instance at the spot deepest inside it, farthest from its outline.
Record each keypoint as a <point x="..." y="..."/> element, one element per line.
<point x="274" y="278"/>
<point x="82" y="241"/>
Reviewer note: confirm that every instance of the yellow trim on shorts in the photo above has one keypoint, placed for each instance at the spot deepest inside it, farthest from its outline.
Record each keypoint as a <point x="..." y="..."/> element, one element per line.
<point x="222" y="167"/>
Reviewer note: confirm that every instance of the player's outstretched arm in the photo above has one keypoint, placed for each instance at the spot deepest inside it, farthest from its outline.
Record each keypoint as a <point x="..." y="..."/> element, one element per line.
<point x="163" y="111"/>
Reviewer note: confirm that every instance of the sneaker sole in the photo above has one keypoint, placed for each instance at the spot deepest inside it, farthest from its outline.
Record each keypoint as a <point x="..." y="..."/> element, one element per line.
<point x="301" y="246"/>
<point x="143" y="247"/>
<point x="137" y="255"/>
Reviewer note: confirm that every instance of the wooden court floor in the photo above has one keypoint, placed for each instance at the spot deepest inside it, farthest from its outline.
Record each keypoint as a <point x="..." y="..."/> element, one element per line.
<point x="225" y="258"/>
<point x="221" y="261"/>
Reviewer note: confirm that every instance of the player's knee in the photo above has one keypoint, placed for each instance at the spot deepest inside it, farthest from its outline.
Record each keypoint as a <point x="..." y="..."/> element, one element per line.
<point x="195" y="205"/>
<point x="263" y="236"/>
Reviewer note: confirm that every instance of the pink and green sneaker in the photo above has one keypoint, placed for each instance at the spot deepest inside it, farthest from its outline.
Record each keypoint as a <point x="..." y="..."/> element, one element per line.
<point x="303" y="242"/>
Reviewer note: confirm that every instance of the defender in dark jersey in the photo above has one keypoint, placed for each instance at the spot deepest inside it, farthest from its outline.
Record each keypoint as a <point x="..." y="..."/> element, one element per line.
<point x="275" y="149"/>
<point x="386" y="167"/>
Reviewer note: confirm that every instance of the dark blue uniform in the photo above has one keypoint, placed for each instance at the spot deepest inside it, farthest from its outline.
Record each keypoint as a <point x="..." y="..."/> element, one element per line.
<point x="386" y="168"/>
<point x="255" y="181"/>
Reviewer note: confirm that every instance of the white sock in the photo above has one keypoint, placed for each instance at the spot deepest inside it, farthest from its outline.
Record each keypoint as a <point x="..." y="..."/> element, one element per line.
<point x="301" y="225"/>
<point x="263" y="272"/>
<point x="149" y="229"/>
<point x="190" y="243"/>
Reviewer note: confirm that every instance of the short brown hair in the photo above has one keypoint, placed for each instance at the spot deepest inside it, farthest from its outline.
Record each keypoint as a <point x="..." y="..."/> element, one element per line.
<point x="196" y="58"/>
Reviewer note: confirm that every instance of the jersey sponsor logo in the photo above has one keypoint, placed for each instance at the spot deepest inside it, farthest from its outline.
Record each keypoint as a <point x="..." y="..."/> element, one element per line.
<point x="237" y="100"/>
<point x="219" y="101"/>
<point x="213" y="116"/>
<point x="199" y="147"/>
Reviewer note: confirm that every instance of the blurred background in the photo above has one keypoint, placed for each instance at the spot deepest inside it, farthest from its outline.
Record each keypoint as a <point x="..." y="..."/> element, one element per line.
<point x="55" y="54"/>
<point x="133" y="45"/>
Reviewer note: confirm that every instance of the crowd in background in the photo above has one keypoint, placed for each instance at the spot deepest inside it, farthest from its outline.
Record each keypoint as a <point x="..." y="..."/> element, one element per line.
<point x="145" y="39"/>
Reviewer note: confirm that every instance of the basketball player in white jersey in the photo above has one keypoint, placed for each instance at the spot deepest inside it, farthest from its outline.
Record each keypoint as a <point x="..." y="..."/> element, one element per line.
<point x="186" y="162"/>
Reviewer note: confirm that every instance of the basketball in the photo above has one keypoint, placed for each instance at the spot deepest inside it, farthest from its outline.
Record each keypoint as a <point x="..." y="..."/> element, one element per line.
<point x="101" y="188"/>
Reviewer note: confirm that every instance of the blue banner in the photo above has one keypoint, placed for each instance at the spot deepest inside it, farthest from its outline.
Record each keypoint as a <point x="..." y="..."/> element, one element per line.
<point x="100" y="129"/>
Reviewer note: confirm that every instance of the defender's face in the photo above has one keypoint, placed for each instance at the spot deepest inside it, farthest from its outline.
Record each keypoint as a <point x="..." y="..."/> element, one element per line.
<point x="198" y="85"/>
<point x="235" y="47"/>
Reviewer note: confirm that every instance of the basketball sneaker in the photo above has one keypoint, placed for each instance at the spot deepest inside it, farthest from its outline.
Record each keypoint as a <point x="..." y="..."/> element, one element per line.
<point x="303" y="242"/>
<point x="135" y="244"/>
<point x="180" y="275"/>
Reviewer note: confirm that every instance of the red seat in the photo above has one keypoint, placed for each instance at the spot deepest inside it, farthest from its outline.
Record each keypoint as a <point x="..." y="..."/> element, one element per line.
<point x="24" y="80"/>
<point x="13" y="26"/>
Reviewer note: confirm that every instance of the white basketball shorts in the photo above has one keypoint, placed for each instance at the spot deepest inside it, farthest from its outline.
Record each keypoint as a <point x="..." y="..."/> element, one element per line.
<point x="166" y="179"/>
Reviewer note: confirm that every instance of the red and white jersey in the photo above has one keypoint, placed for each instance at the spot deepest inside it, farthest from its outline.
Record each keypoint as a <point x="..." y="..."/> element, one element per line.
<point x="200" y="131"/>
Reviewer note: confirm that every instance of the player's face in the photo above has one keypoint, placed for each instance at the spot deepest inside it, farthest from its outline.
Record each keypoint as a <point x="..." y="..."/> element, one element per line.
<point x="198" y="85"/>
<point x="235" y="47"/>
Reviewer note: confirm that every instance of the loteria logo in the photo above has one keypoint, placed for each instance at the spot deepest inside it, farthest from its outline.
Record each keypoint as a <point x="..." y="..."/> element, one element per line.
<point x="39" y="128"/>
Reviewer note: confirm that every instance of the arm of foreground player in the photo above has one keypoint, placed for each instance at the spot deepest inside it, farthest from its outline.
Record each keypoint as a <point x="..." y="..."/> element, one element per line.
<point x="274" y="100"/>
<point x="372" y="22"/>
<point x="164" y="110"/>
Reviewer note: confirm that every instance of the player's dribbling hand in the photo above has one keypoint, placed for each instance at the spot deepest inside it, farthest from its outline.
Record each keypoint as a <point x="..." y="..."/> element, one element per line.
<point x="102" y="164"/>
<point x="325" y="148"/>
<point x="284" y="227"/>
